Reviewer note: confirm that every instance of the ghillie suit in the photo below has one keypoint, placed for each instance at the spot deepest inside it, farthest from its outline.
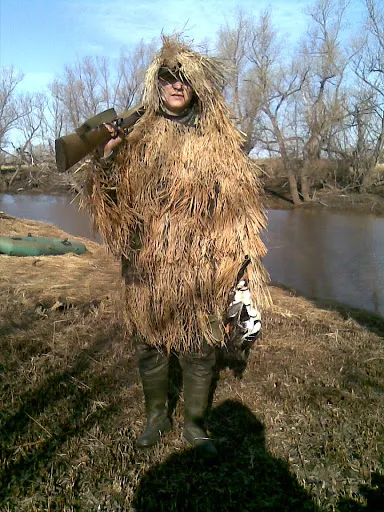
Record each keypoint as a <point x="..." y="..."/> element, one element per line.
<point x="182" y="204"/>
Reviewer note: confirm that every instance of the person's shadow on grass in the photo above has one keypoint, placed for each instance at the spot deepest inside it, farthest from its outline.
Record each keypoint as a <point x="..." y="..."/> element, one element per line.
<point x="373" y="494"/>
<point x="243" y="478"/>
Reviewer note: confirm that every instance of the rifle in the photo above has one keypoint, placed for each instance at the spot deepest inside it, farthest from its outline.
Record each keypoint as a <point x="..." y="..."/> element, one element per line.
<point x="71" y="148"/>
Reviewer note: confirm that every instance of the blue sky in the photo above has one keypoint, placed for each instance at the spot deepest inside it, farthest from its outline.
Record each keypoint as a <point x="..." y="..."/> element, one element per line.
<point x="39" y="37"/>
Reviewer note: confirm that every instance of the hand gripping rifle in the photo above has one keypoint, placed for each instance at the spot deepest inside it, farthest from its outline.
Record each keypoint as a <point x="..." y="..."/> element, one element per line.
<point x="71" y="148"/>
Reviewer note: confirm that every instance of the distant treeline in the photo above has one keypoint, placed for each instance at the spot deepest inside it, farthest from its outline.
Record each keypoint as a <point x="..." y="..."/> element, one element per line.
<point x="324" y="99"/>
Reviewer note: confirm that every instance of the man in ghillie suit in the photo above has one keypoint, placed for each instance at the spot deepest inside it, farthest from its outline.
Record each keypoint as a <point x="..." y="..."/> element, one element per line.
<point x="180" y="203"/>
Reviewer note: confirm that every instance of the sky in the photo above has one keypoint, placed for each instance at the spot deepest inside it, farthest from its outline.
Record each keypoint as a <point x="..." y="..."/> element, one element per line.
<point x="40" y="37"/>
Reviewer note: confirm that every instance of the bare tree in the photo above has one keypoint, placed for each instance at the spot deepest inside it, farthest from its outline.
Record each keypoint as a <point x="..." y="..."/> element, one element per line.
<point x="261" y="88"/>
<point x="130" y="73"/>
<point x="369" y="67"/>
<point x="10" y="112"/>
<point x="352" y="139"/>
<point x="30" y="125"/>
<point x="54" y="118"/>
<point x="79" y="91"/>
<point x="275" y="81"/>
<point x="92" y="85"/>
<point x="232" y="48"/>
<point x="322" y="95"/>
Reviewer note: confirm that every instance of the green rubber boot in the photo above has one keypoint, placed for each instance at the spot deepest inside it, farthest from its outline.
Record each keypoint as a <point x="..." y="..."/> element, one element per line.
<point x="153" y="366"/>
<point x="197" y="377"/>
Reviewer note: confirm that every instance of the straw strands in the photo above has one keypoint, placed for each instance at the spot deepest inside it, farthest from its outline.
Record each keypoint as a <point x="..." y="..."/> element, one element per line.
<point x="183" y="205"/>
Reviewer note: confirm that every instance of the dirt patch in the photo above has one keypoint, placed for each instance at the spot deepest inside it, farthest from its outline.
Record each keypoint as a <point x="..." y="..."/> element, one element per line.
<point x="302" y="429"/>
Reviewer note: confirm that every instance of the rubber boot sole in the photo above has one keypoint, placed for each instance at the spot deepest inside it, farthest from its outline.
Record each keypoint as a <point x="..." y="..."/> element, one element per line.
<point x="153" y="433"/>
<point x="202" y="443"/>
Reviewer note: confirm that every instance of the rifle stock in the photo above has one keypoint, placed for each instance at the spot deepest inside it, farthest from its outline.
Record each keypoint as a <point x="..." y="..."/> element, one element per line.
<point x="71" y="148"/>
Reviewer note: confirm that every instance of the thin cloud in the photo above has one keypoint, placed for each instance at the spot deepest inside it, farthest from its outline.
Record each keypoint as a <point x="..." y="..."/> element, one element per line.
<point x="119" y="23"/>
<point x="122" y="25"/>
<point x="78" y="28"/>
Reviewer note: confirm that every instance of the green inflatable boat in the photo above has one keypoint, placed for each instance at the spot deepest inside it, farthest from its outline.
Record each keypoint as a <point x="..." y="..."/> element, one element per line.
<point x="38" y="246"/>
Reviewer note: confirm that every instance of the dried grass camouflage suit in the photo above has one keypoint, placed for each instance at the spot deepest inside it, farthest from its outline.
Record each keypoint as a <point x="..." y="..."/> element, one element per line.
<point x="185" y="213"/>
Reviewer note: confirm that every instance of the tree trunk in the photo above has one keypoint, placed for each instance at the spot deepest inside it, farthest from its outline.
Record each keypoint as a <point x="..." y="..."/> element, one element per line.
<point x="311" y="154"/>
<point x="305" y="189"/>
<point x="293" y="187"/>
<point x="14" y="175"/>
<point x="305" y="182"/>
<point x="283" y="152"/>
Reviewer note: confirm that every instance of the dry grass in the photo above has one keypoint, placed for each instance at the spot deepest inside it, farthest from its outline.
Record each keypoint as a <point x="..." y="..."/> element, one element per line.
<point x="183" y="205"/>
<point x="301" y="430"/>
<point x="70" y="278"/>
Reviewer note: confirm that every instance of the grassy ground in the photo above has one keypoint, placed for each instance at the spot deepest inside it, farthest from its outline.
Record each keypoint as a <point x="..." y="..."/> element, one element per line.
<point x="301" y="429"/>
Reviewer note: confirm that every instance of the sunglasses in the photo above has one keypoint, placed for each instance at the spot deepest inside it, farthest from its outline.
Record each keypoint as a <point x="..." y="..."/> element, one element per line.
<point x="168" y="77"/>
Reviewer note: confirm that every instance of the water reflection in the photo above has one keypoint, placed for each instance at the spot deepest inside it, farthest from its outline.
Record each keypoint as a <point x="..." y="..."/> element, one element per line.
<point x="319" y="253"/>
<point x="58" y="210"/>
<point x="328" y="255"/>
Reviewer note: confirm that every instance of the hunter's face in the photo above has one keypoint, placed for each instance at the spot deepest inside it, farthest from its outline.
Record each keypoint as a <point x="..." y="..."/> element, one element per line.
<point x="176" y="93"/>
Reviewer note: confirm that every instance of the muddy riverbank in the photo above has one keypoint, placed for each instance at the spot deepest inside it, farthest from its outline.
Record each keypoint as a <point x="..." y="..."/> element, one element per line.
<point x="277" y="196"/>
<point x="44" y="179"/>
<point x="38" y="179"/>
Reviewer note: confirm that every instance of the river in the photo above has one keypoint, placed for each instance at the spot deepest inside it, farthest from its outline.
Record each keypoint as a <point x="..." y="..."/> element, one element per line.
<point x="321" y="254"/>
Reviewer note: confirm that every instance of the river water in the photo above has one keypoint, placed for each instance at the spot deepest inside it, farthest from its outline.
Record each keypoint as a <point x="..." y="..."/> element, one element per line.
<point x="321" y="254"/>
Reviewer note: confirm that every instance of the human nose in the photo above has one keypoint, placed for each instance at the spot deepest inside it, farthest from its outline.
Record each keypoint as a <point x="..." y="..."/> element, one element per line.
<point x="178" y="84"/>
